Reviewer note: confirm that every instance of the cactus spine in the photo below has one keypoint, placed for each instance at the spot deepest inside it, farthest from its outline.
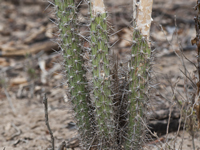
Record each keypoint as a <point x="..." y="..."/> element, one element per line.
<point x="67" y="21"/>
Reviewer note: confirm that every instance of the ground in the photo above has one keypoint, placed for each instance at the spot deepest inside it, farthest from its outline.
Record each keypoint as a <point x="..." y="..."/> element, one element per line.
<point x="29" y="67"/>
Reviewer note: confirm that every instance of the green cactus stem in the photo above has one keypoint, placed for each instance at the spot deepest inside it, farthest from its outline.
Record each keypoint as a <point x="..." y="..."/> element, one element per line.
<point x="67" y="19"/>
<point x="100" y="70"/>
<point x="138" y="75"/>
<point x="138" y="79"/>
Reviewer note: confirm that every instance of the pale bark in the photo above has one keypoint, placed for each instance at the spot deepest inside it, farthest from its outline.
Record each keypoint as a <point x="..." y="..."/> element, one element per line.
<point x="98" y="7"/>
<point x="144" y="16"/>
<point x="134" y="10"/>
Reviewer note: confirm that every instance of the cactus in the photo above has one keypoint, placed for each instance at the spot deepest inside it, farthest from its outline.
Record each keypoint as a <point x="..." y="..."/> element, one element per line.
<point x="137" y="86"/>
<point x="95" y="115"/>
<point x="138" y="74"/>
<point x="67" y="22"/>
<point x="100" y="70"/>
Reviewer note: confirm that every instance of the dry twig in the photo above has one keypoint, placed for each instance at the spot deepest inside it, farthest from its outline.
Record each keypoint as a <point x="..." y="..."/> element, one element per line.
<point x="47" y="120"/>
<point x="196" y="41"/>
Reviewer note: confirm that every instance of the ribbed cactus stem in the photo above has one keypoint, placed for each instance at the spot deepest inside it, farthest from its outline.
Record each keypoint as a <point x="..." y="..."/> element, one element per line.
<point x="67" y="19"/>
<point x="100" y="63"/>
<point x="138" y="75"/>
<point x="137" y="87"/>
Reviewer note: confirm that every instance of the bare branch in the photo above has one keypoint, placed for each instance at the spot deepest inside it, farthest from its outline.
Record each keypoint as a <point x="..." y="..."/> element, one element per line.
<point x="47" y="120"/>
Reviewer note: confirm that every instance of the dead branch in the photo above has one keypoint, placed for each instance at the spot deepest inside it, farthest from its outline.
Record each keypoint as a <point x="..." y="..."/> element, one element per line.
<point x="197" y="42"/>
<point x="47" y="120"/>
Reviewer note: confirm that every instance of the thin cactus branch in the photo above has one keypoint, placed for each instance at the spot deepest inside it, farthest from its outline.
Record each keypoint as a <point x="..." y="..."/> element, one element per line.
<point x="68" y="27"/>
<point x="138" y="76"/>
<point x="100" y="70"/>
